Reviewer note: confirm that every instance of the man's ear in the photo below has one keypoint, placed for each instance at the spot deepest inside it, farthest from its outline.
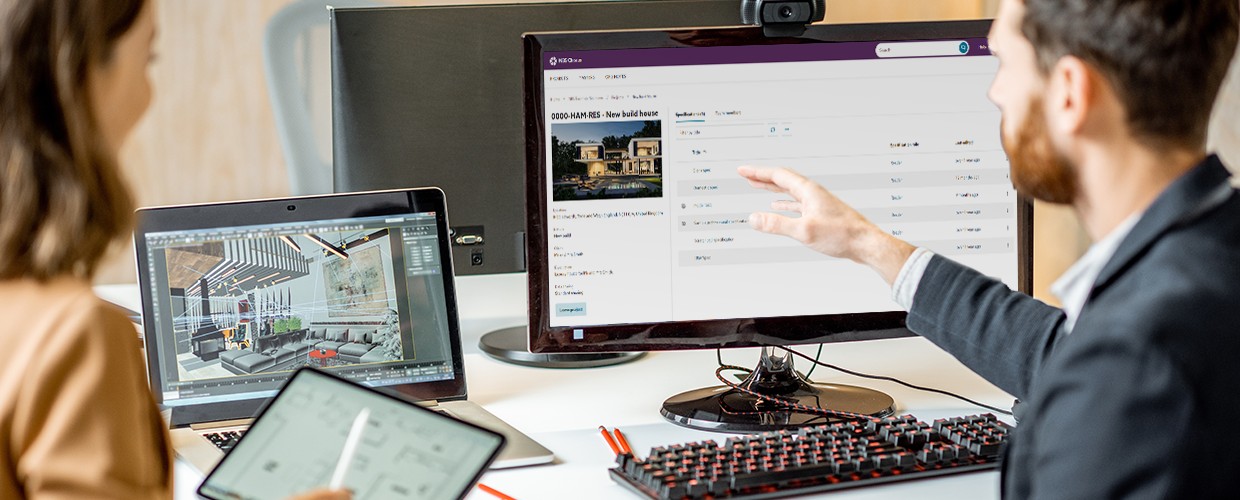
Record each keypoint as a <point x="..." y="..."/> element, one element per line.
<point x="1071" y="96"/>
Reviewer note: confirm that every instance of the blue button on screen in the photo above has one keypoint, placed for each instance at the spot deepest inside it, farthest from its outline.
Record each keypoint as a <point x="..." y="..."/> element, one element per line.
<point x="574" y="309"/>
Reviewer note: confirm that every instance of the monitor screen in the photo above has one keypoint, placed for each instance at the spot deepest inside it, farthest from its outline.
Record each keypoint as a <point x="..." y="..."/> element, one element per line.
<point x="235" y="308"/>
<point x="639" y="233"/>
<point x="431" y="96"/>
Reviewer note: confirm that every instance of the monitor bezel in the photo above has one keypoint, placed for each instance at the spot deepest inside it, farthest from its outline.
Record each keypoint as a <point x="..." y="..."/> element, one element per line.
<point x="307" y="209"/>
<point x="379" y="54"/>
<point x="747" y="332"/>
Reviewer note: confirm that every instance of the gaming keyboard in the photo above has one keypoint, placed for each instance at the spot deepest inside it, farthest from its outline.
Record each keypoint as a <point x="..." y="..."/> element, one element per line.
<point x="815" y="459"/>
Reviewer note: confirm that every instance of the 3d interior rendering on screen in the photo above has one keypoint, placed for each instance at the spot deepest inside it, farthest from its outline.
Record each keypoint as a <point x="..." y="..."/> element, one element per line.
<point x="261" y="305"/>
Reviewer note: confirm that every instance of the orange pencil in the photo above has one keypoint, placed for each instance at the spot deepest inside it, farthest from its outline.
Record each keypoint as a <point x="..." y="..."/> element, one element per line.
<point x="610" y="442"/>
<point x="493" y="491"/>
<point x="624" y="443"/>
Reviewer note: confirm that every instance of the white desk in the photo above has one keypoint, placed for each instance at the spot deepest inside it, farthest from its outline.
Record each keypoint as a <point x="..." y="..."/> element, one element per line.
<point x="562" y="409"/>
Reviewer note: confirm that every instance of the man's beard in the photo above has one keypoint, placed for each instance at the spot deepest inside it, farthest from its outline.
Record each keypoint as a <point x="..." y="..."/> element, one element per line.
<point x="1038" y="170"/>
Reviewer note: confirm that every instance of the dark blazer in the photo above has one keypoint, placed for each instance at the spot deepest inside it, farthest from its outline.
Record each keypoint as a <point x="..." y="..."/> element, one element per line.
<point x="1142" y="399"/>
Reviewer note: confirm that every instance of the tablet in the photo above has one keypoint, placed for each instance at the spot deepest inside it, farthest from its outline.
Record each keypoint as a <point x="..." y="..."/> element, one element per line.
<point x="401" y="450"/>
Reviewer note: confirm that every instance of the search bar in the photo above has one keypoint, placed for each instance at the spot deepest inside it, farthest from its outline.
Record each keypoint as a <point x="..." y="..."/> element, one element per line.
<point x="922" y="49"/>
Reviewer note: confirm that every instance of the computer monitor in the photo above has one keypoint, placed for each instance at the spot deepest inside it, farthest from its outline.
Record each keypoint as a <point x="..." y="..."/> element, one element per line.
<point x="431" y="96"/>
<point x="638" y="222"/>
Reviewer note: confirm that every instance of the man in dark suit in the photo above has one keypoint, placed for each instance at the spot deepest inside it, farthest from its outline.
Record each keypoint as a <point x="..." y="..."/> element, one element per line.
<point x="1133" y="387"/>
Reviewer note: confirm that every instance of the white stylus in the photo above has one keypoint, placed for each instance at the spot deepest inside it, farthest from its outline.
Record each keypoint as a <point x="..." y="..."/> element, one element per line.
<point x="350" y="448"/>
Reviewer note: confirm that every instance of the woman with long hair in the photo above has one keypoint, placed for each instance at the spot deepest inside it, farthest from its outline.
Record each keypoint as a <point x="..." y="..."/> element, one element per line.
<point x="77" y="419"/>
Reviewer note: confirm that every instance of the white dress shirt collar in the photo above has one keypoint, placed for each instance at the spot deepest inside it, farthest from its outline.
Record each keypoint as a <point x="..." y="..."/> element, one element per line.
<point x="1072" y="289"/>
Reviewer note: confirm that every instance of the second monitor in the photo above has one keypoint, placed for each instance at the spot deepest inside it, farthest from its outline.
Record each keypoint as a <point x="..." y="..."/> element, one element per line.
<point x="431" y="96"/>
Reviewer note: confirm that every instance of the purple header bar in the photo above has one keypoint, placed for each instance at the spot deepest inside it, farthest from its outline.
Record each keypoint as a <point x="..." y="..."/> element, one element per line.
<point x="744" y="54"/>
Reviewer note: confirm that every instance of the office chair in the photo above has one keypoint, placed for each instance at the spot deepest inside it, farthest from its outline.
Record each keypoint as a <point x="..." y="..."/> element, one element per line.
<point x="308" y="172"/>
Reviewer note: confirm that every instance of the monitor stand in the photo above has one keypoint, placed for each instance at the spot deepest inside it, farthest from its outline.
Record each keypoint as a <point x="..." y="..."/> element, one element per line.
<point x="510" y="346"/>
<point x="724" y="409"/>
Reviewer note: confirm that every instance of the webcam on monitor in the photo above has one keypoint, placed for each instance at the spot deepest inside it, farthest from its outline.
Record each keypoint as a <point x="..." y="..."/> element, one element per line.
<point x="782" y="17"/>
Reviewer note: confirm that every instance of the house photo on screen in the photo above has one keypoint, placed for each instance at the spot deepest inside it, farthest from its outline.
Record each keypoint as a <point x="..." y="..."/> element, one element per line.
<point x="607" y="160"/>
<point x="245" y="306"/>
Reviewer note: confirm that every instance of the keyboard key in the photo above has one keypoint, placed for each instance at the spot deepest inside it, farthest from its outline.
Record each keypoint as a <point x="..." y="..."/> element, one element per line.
<point x="776" y="477"/>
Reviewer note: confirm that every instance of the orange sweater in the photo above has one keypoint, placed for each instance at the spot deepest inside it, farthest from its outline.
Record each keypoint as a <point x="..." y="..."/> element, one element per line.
<point x="77" y="419"/>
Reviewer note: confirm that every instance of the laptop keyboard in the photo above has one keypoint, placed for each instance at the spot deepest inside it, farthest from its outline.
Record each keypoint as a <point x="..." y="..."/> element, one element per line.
<point x="227" y="439"/>
<point x="224" y="440"/>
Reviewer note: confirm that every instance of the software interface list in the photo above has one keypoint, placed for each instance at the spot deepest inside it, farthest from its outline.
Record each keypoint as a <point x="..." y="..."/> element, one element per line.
<point x="648" y="156"/>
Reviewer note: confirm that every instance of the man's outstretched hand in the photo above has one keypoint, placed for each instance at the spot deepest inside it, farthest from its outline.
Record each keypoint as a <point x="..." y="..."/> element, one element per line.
<point x="826" y="224"/>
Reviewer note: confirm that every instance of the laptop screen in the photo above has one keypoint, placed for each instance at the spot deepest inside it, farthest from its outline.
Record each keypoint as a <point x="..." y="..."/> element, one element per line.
<point x="233" y="310"/>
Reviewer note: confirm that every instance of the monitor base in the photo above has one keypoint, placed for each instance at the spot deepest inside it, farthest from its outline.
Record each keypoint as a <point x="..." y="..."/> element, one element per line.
<point x="509" y="345"/>
<point x="727" y="409"/>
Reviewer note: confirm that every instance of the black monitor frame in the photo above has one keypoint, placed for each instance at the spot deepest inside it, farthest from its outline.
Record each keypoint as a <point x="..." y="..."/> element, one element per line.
<point x="729" y="333"/>
<point x="431" y="96"/>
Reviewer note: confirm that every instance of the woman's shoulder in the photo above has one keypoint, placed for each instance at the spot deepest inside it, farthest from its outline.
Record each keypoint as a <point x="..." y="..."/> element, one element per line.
<point x="57" y="293"/>
<point x="64" y="305"/>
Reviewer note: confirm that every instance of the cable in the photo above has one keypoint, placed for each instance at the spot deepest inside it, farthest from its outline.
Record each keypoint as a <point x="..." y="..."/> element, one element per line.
<point x="898" y="381"/>
<point x="815" y="365"/>
<point x="719" y="359"/>
<point x="813" y="410"/>
<point x="816" y="362"/>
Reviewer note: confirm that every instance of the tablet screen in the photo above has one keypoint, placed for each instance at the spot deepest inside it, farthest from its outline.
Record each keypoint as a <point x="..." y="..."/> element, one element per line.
<point x="402" y="450"/>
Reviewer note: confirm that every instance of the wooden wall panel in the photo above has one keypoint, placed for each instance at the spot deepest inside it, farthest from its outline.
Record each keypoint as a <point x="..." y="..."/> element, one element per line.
<point x="1225" y="124"/>
<point x="990" y="8"/>
<point x="209" y="134"/>
<point x="866" y="11"/>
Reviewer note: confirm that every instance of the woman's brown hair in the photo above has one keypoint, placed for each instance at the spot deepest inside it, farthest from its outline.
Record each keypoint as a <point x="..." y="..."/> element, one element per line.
<point x="62" y="199"/>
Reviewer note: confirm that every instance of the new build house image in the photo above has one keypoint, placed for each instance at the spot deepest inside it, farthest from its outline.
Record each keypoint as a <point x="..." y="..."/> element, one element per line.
<point x="607" y="160"/>
<point x="641" y="157"/>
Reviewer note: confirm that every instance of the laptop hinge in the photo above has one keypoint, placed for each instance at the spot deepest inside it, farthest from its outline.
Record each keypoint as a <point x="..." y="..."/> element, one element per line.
<point x="427" y="403"/>
<point x="222" y="423"/>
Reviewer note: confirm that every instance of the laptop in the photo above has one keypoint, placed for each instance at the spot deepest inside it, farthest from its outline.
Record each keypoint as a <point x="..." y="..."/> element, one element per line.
<point x="237" y="296"/>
